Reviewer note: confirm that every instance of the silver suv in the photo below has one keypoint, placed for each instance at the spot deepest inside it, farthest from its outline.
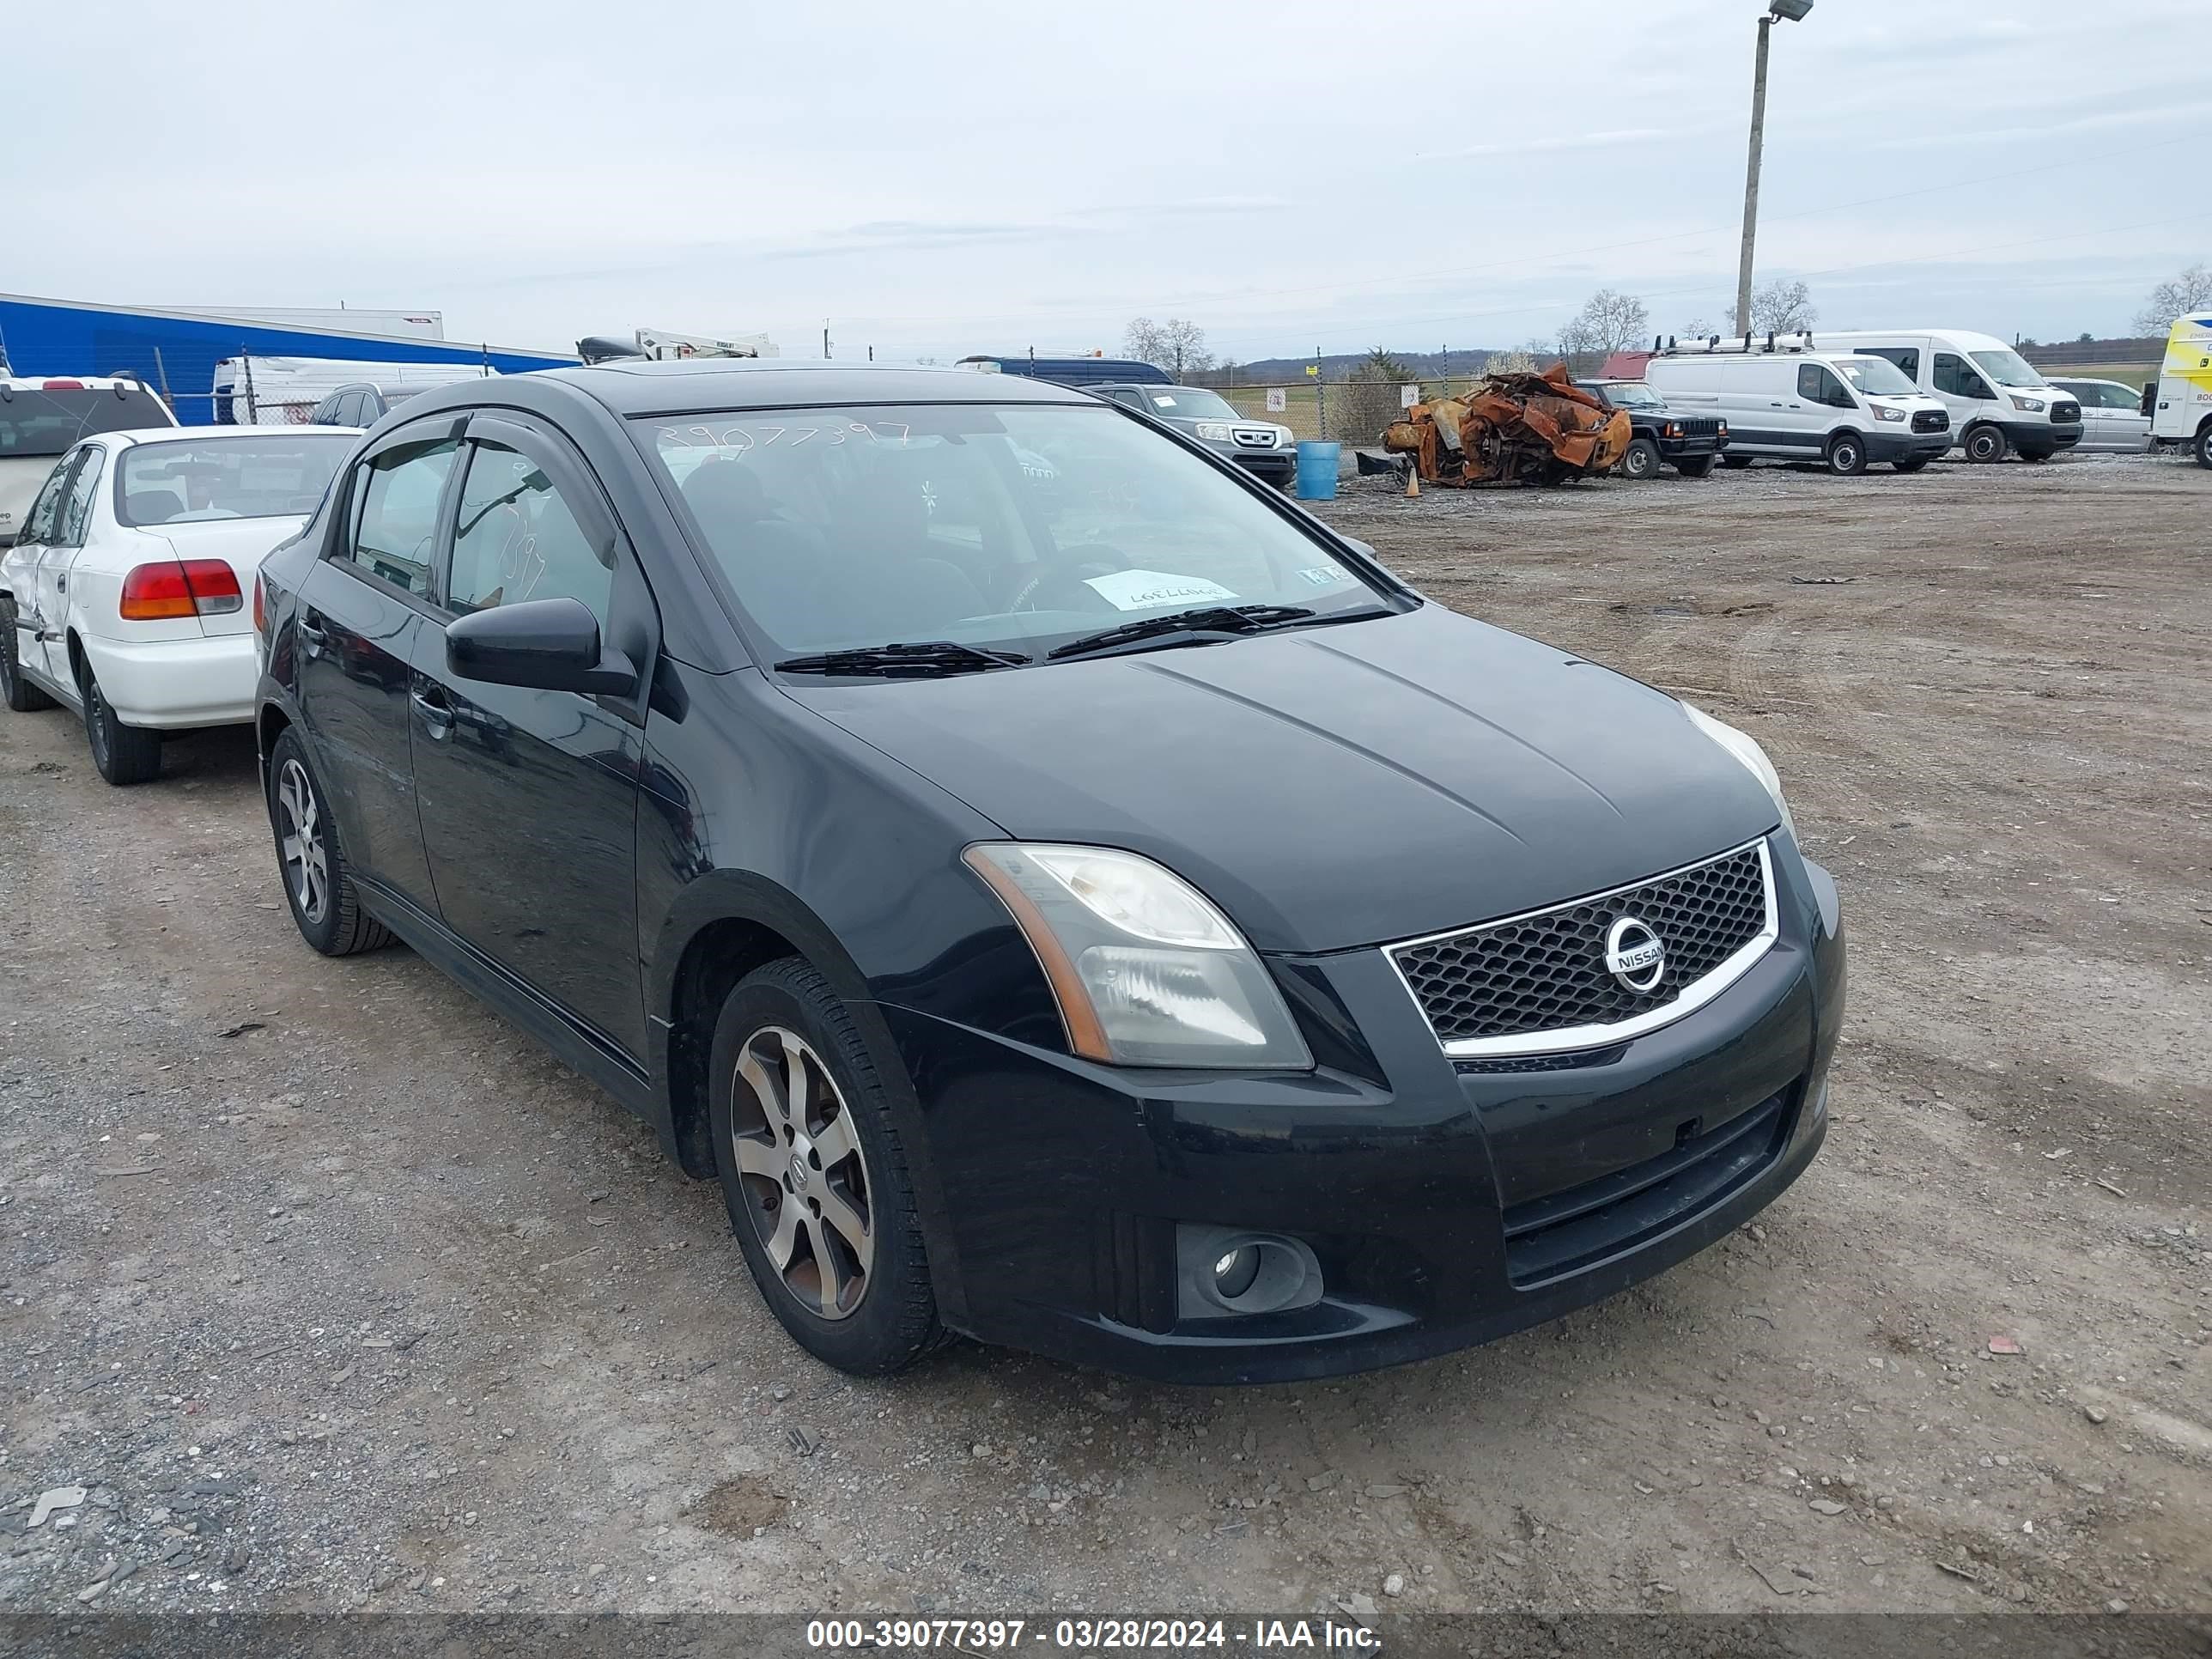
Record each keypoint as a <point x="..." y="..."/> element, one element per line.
<point x="1260" y="446"/>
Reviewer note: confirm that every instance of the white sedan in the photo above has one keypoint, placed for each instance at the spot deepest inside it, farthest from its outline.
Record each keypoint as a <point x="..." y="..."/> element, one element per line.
<point x="126" y="594"/>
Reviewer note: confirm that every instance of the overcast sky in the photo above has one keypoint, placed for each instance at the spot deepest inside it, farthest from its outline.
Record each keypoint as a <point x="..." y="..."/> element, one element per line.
<point x="937" y="179"/>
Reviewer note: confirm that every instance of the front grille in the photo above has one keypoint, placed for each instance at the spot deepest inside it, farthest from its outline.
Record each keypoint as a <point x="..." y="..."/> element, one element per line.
<point x="1546" y="971"/>
<point x="1562" y="1233"/>
<point x="1930" y="420"/>
<point x="1699" y="426"/>
<point x="2065" y="414"/>
<point x="1254" y="437"/>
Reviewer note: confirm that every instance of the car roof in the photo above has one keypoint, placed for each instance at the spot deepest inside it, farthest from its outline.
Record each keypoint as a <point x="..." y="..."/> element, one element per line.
<point x="201" y="435"/>
<point x="66" y="382"/>
<point x="636" y="386"/>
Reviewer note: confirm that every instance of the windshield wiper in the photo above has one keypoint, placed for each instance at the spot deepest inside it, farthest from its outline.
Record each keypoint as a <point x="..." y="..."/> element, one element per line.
<point x="922" y="657"/>
<point x="1207" y="619"/>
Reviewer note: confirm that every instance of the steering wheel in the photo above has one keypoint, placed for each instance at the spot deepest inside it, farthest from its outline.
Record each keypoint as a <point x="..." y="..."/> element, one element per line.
<point x="1062" y="587"/>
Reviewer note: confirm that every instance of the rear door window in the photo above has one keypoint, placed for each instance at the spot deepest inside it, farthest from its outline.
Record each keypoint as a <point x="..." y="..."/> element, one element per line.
<point x="397" y="495"/>
<point x="76" y="506"/>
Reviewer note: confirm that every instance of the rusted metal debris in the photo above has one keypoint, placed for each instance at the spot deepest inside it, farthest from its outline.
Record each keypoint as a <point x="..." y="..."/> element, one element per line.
<point x="1512" y="428"/>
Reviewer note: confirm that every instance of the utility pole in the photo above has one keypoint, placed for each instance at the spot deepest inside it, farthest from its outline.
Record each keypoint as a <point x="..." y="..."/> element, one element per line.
<point x="1793" y="10"/>
<point x="825" y="338"/>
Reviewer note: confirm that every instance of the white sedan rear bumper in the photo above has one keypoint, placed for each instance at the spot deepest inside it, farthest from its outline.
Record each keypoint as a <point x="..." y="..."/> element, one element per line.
<point x="173" y="683"/>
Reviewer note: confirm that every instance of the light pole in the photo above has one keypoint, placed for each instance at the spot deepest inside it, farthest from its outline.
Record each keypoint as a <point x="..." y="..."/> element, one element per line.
<point x="1792" y="11"/>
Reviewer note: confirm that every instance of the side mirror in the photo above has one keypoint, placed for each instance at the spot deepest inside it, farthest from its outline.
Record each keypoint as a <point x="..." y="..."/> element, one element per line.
<point x="546" y="645"/>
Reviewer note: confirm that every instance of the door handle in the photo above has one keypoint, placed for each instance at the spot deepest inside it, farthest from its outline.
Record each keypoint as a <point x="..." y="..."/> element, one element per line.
<point x="310" y="632"/>
<point x="61" y="583"/>
<point x="437" y="713"/>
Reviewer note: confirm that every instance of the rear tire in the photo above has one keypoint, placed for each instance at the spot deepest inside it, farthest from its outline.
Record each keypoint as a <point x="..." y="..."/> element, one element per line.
<point x="812" y="1173"/>
<point x="318" y="885"/>
<point x="1640" y="461"/>
<point x="22" y="696"/>
<point x="1735" y="463"/>
<point x="123" y="754"/>
<point x="1846" y="455"/>
<point x="1701" y="467"/>
<point x="2203" y="448"/>
<point x="1985" y="444"/>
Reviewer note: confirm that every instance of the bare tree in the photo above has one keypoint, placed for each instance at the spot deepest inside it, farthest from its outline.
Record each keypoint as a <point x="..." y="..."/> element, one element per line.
<point x="2190" y="291"/>
<point x="1777" y="307"/>
<point x="1175" y="345"/>
<point x="1612" y="322"/>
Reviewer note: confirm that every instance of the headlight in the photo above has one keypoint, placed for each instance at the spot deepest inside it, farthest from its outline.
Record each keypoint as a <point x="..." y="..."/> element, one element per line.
<point x="2032" y="405"/>
<point x="1745" y="748"/>
<point x="1147" y="972"/>
<point x="1284" y="437"/>
<point x="1671" y="429"/>
<point x="1213" y="432"/>
<point x="1883" y="413"/>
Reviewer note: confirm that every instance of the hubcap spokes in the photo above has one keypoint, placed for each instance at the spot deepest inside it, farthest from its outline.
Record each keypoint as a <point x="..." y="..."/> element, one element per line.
<point x="306" y="867"/>
<point x="805" y="1181"/>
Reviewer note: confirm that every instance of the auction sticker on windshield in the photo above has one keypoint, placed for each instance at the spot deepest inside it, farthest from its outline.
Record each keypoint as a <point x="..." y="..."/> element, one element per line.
<point x="1143" y="590"/>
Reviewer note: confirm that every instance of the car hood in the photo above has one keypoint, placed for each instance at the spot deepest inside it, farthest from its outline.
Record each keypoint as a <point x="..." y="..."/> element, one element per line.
<point x="1335" y="787"/>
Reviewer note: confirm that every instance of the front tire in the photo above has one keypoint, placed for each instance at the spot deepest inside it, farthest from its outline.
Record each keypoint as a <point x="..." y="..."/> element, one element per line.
<point x="1846" y="455"/>
<point x="1735" y="463"/>
<point x="1911" y="464"/>
<point x="21" y="695"/>
<point x="1701" y="467"/>
<point x="813" y="1176"/>
<point x="1640" y="461"/>
<point x="124" y="755"/>
<point x="2203" y="448"/>
<point x="1985" y="444"/>
<point x="318" y="883"/>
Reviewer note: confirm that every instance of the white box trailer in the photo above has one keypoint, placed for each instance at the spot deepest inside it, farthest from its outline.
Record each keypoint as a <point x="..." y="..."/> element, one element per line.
<point x="2180" y="404"/>
<point x="285" y="391"/>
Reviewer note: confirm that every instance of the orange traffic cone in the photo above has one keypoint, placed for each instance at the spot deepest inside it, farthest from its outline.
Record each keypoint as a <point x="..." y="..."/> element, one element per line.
<point x="1413" y="483"/>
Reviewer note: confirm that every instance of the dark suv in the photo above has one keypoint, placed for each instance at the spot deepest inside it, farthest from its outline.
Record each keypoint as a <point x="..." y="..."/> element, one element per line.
<point x="1688" y="443"/>
<point x="1062" y="892"/>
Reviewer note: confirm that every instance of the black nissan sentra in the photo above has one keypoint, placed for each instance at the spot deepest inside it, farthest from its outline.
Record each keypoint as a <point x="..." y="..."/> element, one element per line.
<point x="1064" y="893"/>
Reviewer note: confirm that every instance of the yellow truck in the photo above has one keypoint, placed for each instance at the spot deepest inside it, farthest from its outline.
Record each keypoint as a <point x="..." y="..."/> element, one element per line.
<point x="2181" y="404"/>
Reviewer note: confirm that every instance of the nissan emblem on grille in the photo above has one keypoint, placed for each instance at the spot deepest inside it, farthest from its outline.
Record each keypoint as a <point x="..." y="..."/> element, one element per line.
<point x="1594" y="970"/>
<point x="1634" y="954"/>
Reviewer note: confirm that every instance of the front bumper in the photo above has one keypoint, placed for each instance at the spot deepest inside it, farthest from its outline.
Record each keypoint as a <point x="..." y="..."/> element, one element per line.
<point x="1905" y="446"/>
<point x="174" y="685"/>
<point x="1277" y="466"/>
<point x="1446" y="1205"/>
<point x="1689" y="448"/>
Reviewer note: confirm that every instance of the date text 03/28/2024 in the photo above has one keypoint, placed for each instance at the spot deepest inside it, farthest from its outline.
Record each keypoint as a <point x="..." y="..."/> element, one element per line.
<point x="1092" y="1635"/>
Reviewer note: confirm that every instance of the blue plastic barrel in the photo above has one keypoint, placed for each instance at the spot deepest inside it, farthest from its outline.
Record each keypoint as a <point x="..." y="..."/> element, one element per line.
<point x="1317" y="470"/>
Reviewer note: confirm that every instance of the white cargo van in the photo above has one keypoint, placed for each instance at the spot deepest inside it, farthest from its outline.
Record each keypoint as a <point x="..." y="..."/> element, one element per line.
<point x="1786" y="402"/>
<point x="2181" y="404"/>
<point x="1998" y="402"/>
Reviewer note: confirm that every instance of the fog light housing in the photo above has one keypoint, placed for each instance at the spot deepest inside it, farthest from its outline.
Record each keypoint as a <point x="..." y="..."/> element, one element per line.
<point x="1225" y="1271"/>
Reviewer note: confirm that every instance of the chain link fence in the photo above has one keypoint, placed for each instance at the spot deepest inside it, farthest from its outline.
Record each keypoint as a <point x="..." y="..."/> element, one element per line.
<point x="1350" y="411"/>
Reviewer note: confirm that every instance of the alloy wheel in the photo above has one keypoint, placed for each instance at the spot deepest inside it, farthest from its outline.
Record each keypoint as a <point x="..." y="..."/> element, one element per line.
<point x="805" y="1177"/>
<point x="306" y="866"/>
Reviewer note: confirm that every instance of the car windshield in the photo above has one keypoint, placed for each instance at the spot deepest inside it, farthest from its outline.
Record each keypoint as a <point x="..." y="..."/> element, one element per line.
<point x="1189" y="402"/>
<point x="1632" y="394"/>
<point x="1877" y="375"/>
<point x="183" y="482"/>
<point x="2006" y="368"/>
<point x="43" y="421"/>
<point x="1014" y="528"/>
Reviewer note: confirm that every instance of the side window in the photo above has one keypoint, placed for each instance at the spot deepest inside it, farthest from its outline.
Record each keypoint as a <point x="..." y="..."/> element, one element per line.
<point x="76" y="508"/>
<point x="1906" y="357"/>
<point x="1954" y="377"/>
<point x="396" y="503"/>
<point x="517" y="539"/>
<point x="1817" y="383"/>
<point x="39" y="523"/>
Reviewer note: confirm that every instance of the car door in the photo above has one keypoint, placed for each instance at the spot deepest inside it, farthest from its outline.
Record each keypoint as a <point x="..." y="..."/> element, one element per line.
<point x="360" y="611"/>
<point x="59" y="554"/>
<point x="1963" y="391"/>
<point x="2123" y="425"/>
<point x="40" y="525"/>
<point x="529" y="798"/>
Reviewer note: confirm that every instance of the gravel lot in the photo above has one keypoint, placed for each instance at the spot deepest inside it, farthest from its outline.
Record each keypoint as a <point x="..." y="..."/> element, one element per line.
<point x="335" y="1292"/>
